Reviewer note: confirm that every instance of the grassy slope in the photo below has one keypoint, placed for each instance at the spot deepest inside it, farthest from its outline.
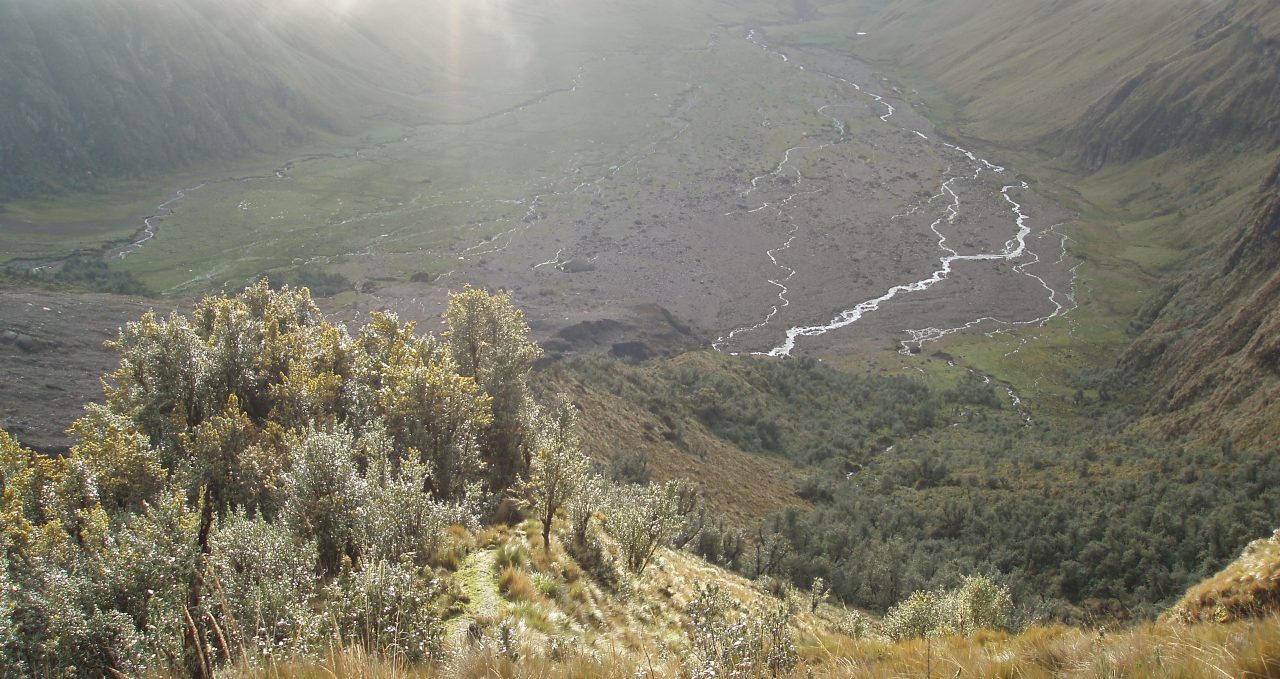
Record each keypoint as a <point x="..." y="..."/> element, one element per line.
<point x="1208" y="361"/>
<point x="1200" y="652"/>
<point x="642" y="633"/>
<point x="740" y="486"/>
<point x="1248" y="587"/>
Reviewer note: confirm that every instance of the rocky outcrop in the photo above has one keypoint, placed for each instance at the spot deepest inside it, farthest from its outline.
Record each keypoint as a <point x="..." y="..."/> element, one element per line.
<point x="639" y="332"/>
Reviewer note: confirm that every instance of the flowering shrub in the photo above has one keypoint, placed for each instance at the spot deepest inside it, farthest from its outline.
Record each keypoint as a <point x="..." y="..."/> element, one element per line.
<point x="257" y="484"/>
<point x="920" y="614"/>
<point x="263" y="579"/>
<point x="387" y="609"/>
<point x="979" y="603"/>
<point x="728" y="639"/>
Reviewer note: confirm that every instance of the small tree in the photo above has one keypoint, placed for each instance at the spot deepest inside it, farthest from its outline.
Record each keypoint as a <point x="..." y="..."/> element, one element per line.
<point x="818" y="592"/>
<point x="691" y="509"/>
<point x="583" y="505"/>
<point x="558" y="470"/>
<point x="432" y="411"/>
<point x="489" y="340"/>
<point x="642" y="519"/>
<point x="769" y="548"/>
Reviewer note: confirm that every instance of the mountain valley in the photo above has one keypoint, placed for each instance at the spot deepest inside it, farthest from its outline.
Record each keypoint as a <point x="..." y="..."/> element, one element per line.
<point x="933" y="338"/>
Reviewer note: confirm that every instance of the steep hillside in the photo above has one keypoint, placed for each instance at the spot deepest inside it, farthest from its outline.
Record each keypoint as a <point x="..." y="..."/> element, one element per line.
<point x="119" y="88"/>
<point x="1125" y="80"/>
<point x="1220" y="90"/>
<point x="1210" y="361"/>
<point x="110" y="89"/>
<point x="1248" y="587"/>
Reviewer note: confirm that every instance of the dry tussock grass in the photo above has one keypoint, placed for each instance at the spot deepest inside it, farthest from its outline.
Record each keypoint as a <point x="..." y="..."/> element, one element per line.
<point x="592" y="632"/>
<point x="1248" y="587"/>
<point x="1235" y="651"/>
<point x="1240" y="650"/>
<point x="516" y="585"/>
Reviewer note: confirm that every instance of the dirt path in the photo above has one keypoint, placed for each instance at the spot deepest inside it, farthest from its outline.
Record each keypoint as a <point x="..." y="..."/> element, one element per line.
<point x="480" y="583"/>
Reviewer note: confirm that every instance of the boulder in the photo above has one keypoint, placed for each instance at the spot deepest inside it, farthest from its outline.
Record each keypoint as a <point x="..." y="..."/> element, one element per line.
<point x="27" y="343"/>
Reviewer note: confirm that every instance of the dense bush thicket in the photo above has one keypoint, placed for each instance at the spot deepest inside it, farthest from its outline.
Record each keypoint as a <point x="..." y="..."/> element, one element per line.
<point x="914" y="488"/>
<point x="1118" y="538"/>
<point x="259" y="483"/>
<point x="85" y="271"/>
<point x="319" y="282"/>
<point x="801" y="409"/>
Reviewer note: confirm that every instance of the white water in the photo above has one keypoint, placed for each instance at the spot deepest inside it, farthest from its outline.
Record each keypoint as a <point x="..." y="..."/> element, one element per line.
<point x="919" y="337"/>
<point x="780" y="283"/>
<point x="149" y="224"/>
<point x="850" y="316"/>
<point x="784" y="166"/>
<point x="1019" y="406"/>
<point x="1014" y="248"/>
<point x="555" y="262"/>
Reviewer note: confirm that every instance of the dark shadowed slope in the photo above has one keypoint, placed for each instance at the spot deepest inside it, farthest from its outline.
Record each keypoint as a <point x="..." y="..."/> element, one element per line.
<point x="1211" y="358"/>
<point x="107" y="89"/>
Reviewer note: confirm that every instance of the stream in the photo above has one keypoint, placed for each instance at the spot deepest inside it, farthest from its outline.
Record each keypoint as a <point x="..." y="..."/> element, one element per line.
<point x="781" y="195"/>
<point x="1014" y="249"/>
<point x="152" y="222"/>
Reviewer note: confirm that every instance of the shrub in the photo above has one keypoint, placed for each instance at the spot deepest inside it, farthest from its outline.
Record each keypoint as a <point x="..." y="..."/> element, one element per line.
<point x="106" y="599"/>
<point x="630" y="467"/>
<point x="979" y="603"/>
<point x="388" y="610"/>
<point x="644" y="518"/>
<point x="855" y="624"/>
<point x="325" y="493"/>
<point x="399" y="519"/>
<point x="729" y="639"/>
<point x="263" y="580"/>
<point x="917" y="616"/>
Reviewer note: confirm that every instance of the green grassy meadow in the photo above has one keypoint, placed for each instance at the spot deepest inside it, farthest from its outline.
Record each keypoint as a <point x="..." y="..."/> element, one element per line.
<point x="605" y="87"/>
